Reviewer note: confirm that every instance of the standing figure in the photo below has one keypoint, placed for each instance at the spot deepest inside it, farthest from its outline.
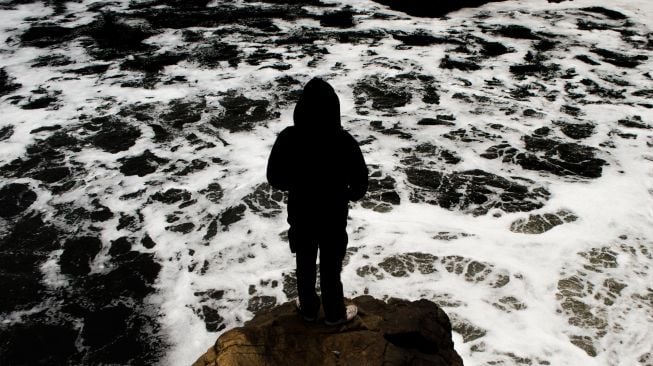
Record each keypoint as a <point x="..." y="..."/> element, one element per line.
<point x="322" y="168"/>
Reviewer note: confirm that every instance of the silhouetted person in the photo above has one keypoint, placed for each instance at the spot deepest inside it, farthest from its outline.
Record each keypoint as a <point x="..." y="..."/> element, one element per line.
<point x="322" y="168"/>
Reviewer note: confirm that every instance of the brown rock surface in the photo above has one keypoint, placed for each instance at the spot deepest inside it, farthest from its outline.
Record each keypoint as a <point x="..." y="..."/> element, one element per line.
<point x="395" y="333"/>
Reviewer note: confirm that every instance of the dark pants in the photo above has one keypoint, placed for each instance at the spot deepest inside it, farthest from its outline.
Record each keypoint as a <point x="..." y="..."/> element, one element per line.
<point x="332" y="247"/>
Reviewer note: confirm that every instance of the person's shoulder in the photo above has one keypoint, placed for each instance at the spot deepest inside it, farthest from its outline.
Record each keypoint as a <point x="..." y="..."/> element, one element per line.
<point x="287" y="132"/>
<point x="347" y="137"/>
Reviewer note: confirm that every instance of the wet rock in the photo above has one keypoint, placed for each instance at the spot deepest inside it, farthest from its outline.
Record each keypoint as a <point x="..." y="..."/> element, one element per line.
<point x="381" y="191"/>
<point x="634" y="122"/>
<point x="212" y="54"/>
<point x="440" y="120"/>
<point x="114" y="38"/>
<point x="261" y="55"/>
<point x="172" y="195"/>
<point x="183" y="228"/>
<point x="576" y="130"/>
<point x="118" y="334"/>
<point x="516" y="31"/>
<point x="6" y="132"/>
<point x="594" y="88"/>
<point x="141" y="165"/>
<point x="399" y="333"/>
<point x="466" y="329"/>
<point x="213" y="192"/>
<point x="419" y="8"/>
<point x="260" y="303"/>
<point x="7" y="84"/>
<point x="101" y="213"/>
<point x="148" y="242"/>
<point x="45" y="128"/>
<point x="619" y="59"/>
<point x="132" y="277"/>
<point x="114" y="135"/>
<point x="52" y="60"/>
<point x="15" y="198"/>
<point x="93" y="69"/>
<point x="52" y="175"/>
<point x="182" y="112"/>
<point x="242" y="114"/>
<point x="46" y="34"/>
<point x="342" y="18"/>
<point x="232" y="215"/>
<point x="213" y="321"/>
<point x="588" y="60"/>
<point x="120" y="246"/>
<point x="561" y="158"/>
<point x="423" y="38"/>
<point x="402" y="265"/>
<point x="546" y="71"/>
<point x="265" y="200"/>
<point x="39" y="102"/>
<point x="538" y="224"/>
<point x="382" y="92"/>
<point x="31" y="234"/>
<point x="609" y="13"/>
<point x="470" y="135"/>
<point x="474" y="191"/>
<point x="40" y="342"/>
<point x="463" y="65"/>
<point x="394" y="130"/>
<point x="152" y="63"/>
<point x="493" y="49"/>
<point x="78" y="254"/>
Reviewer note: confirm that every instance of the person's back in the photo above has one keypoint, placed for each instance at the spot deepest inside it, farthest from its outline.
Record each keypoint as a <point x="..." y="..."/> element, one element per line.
<point x="322" y="168"/>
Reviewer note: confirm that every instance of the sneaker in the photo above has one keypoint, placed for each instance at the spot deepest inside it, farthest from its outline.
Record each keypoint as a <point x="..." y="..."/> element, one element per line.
<point x="350" y="313"/>
<point x="305" y="317"/>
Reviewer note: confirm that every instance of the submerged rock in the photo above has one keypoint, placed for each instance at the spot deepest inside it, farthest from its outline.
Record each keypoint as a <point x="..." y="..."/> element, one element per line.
<point x="538" y="224"/>
<point x="475" y="191"/>
<point x="397" y="333"/>
<point x="15" y="198"/>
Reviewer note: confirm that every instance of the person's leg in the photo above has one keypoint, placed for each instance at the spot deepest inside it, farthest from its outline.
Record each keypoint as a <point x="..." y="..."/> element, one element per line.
<point x="306" y="256"/>
<point x="332" y="252"/>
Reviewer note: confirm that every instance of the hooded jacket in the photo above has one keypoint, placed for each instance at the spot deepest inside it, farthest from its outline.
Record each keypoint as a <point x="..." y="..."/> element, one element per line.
<point x="317" y="162"/>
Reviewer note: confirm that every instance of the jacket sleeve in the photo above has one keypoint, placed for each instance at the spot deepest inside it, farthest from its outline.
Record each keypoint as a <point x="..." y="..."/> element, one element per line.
<point x="357" y="186"/>
<point x="278" y="170"/>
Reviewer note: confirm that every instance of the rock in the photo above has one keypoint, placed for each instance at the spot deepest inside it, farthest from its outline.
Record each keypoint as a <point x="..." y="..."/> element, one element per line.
<point x="242" y="114"/>
<point x="576" y="130"/>
<point x="15" y="198"/>
<point x="114" y="135"/>
<point x="397" y="333"/>
<point x="381" y="191"/>
<point x="7" y="84"/>
<point x="423" y="38"/>
<point x="440" y="120"/>
<point x="172" y="195"/>
<point x="619" y="59"/>
<point x="78" y="254"/>
<point x="232" y="215"/>
<point x="6" y="132"/>
<point x="634" y="122"/>
<point x="141" y="165"/>
<point x="460" y="64"/>
<point x="38" y="343"/>
<point x="475" y="191"/>
<point x="265" y="200"/>
<point x="538" y="224"/>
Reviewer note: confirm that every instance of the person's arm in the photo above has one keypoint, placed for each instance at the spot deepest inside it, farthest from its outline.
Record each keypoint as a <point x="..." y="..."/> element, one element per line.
<point x="357" y="171"/>
<point x="278" y="172"/>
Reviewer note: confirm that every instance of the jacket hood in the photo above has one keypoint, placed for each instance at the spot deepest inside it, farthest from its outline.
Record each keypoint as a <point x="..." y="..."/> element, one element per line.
<point x="318" y="107"/>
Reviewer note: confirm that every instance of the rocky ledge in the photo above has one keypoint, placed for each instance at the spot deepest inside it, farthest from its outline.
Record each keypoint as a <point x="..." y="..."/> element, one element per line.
<point x="398" y="332"/>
